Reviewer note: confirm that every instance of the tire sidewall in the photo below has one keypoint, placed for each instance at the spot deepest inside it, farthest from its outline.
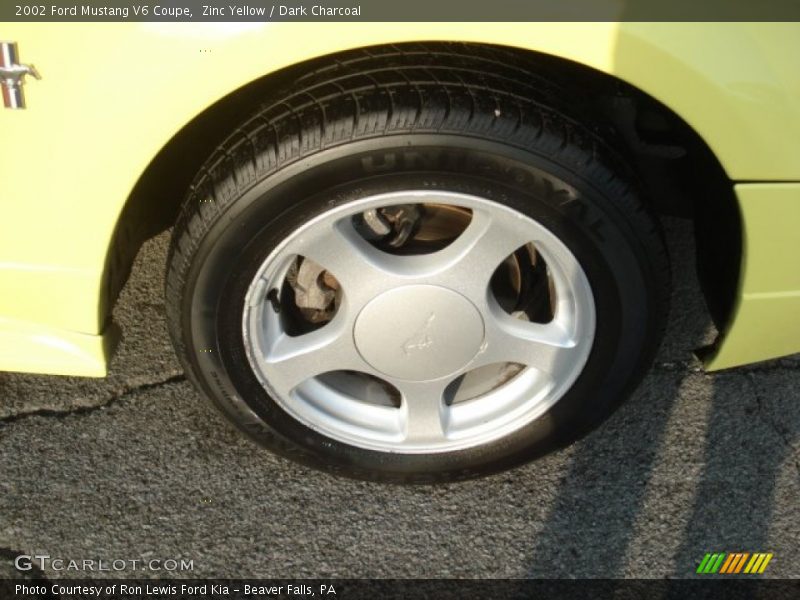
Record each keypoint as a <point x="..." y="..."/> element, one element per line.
<point x="589" y="222"/>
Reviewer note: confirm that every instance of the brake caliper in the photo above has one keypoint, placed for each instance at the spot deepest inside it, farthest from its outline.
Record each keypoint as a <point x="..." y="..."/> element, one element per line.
<point x="314" y="290"/>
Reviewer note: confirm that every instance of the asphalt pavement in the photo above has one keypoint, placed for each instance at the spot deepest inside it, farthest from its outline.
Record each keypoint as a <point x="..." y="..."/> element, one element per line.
<point x="138" y="466"/>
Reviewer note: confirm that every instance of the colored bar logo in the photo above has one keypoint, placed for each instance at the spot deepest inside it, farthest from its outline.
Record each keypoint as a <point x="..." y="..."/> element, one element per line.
<point x="733" y="563"/>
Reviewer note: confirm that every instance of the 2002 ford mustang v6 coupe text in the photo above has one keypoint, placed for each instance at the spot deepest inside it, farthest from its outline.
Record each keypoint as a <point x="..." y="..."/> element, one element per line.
<point x="400" y="253"/>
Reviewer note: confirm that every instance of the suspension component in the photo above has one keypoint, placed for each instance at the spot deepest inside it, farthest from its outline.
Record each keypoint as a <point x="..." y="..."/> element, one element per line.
<point x="391" y="225"/>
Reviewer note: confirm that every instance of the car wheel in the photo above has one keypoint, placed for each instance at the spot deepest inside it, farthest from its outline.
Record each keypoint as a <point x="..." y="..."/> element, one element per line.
<point x="419" y="274"/>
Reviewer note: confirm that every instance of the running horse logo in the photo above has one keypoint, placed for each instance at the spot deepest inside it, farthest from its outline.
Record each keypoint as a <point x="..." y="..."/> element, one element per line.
<point x="12" y="75"/>
<point x="422" y="337"/>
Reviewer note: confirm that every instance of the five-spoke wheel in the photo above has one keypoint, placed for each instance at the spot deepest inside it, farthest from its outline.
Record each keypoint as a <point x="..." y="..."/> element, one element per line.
<point x="417" y="353"/>
<point x="413" y="268"/>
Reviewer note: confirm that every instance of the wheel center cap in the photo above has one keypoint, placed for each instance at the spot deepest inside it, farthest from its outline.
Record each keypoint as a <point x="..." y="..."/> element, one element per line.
<point x="419" y="332"/>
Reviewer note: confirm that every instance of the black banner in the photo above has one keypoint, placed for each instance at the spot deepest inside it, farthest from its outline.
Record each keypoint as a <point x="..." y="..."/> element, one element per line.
<point x="391" y="589"/>
<point x="400" y="10"/>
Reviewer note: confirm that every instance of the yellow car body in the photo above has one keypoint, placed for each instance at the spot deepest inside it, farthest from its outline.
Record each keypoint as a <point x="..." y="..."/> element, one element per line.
<point x="111" y="97"/>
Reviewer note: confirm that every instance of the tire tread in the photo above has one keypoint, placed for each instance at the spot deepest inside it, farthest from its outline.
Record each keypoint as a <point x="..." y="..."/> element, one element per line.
<point x="485" y="92"/>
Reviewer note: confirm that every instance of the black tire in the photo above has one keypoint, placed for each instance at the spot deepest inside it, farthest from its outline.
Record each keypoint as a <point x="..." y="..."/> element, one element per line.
<point x="363" y="124"/>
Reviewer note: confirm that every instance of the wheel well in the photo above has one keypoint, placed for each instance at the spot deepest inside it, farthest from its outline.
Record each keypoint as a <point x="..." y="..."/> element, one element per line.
<point x="677" y="171"/>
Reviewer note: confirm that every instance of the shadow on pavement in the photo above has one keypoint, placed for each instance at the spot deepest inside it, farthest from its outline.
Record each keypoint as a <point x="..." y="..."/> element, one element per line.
<point x="612" y="495"/>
